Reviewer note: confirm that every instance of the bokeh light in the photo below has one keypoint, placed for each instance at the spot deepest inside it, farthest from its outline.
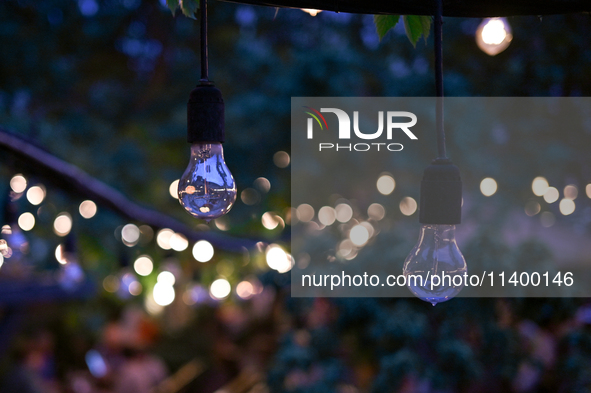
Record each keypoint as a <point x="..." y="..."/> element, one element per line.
<point x="26" y="221"/>
<point x="163" y="294"/>
<point x="166" y="277"/>
<point x="245" y="290"/>
<point x="493" y="35"/>
<point x="173" y="189"/>
<point x="408" y="206"/>
<point x="249" y="196"/>
<point x="571" y="192"/>
<point x="547" y="219"/>
<point x="59" y="255"/>
<point x="263" y="184"/>
<point x="143" y="265"/>
<point x="277" y="258"/>
<point x="386" y="184"/>
<point x="532" y="208"/>
<point x="130" y="234"/>
<point x="344" y="212"/>
<point x="179" y="242"/>
<point x="539" y="186"/>
<point x="87" y="209"/>
<point x="203" y="251"/>
<point x="62" y="224"/>
<point x="327" y="215"/>
<point x="588" y="190"/>
<point x="566" y="207"/>
<point x="111" y="284"/>
<point x="359" y="235"/>
<point x="551" y="195"/>
<point x="163" y="238"/>
<point x="18" y="183"/>
<point x="271" y="221"/>
<point x="305" y="212"/>
<point x="135" y="288"/>
<point x="375" y="211"/>
<point x="281" y="159"/>
<point x="36" y="195"/>
<point x="220" y="288"/>
<point x="488" y="186"/>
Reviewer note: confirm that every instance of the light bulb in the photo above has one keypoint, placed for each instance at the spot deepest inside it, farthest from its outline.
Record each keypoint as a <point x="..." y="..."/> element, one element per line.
<point x="207" y="189"/>
<point x="435" y="268"/>
<point x="493" y="35"/>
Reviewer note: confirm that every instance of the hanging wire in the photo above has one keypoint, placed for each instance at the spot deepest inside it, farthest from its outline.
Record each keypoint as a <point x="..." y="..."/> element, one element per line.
<point x="203" y="39"/>
<point x="439" y="79"/>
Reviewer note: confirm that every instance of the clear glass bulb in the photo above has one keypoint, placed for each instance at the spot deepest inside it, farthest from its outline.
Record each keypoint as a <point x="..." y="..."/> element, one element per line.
<point x="207" y="189"/>
<point x="436" y="254"/>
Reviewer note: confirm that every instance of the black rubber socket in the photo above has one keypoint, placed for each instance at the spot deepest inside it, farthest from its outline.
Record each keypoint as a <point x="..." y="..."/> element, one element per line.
<point x="205" y="114"/>
<point x="441" y="194"/>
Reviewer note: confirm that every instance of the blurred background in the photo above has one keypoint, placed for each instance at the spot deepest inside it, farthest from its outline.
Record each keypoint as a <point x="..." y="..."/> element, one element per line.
<point x="91" y="301"/>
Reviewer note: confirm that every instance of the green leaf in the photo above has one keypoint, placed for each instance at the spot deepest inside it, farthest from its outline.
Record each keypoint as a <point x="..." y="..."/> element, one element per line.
<point x="172" y="5"/>
<point x="384" y="23"/>
<point x="417" y="26"/>
<point x="189" y="8"/>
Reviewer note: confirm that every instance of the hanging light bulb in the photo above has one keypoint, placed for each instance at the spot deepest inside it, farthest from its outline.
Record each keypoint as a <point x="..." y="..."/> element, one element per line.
<point x="207" y="189"/>
<point x="436" y="260"/>
<point x="434" y="264"/>
<point x="493" y="35"/>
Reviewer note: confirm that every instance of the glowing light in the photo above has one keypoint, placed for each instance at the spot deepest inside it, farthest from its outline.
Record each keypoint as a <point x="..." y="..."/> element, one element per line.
<point x="135" y="288"/>
<point x="143" y="265"/>
<point x="173" y="189"/>
<point x="111" y="284"/>
<point x="59" y="255"/>
<point x="203" y="251"/>
<point x="281" y="159"/>
<point x="263" y="184"/>
<point x="571" y="192"/>
<point x="345" y="248"/>
<point x="245" y="290"/>
<point x="493" y="35"/>
<point x="488" y="186"/>
<point x="588" y="190"/>
<point x="532" y="208"/>
<point x="551" y="195"/>
<point x="220" y="288"/>
<point x="547" y="219"/>
<point x="62" y="224"/>
<point x="179" y="242"/>
<point x="130" y="234"/>
<point x="327" y="215"/>
<point x="376" y="211"/>
<point x="270" y="221"/>
<point x="386" y="184"/>
<point x="163" y="294"/>
<point x="249" y="196"/>
<point x="87" y="209"/>
<point x="26" y="221"/>
<point x="163" y="238"/>
<point x="18" y="183"/>
<point x="359" y="235"/>
<point x="305" y="212"/>
<point x="539" y="186"/>
<point x="408" y="206"/>
<point x="166" y="277"/>
<point x="277" y="259"/>
<point x="36" y="195"/>
<point x="311" y="11"/>
<point x="222" y="223"/>
<point x="567" y="206"/>
<point x="344" y="212"/>
<point x="1" y="260"/>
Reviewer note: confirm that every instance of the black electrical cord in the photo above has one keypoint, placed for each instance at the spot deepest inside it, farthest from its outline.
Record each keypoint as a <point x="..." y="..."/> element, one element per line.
<point x="439" y="79"/>
<point x="203" y="39"/>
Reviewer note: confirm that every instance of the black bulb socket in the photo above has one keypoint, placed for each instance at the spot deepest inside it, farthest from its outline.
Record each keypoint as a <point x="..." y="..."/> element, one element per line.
<point x="205" y="114"/>
<point x="441" y="194"/>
